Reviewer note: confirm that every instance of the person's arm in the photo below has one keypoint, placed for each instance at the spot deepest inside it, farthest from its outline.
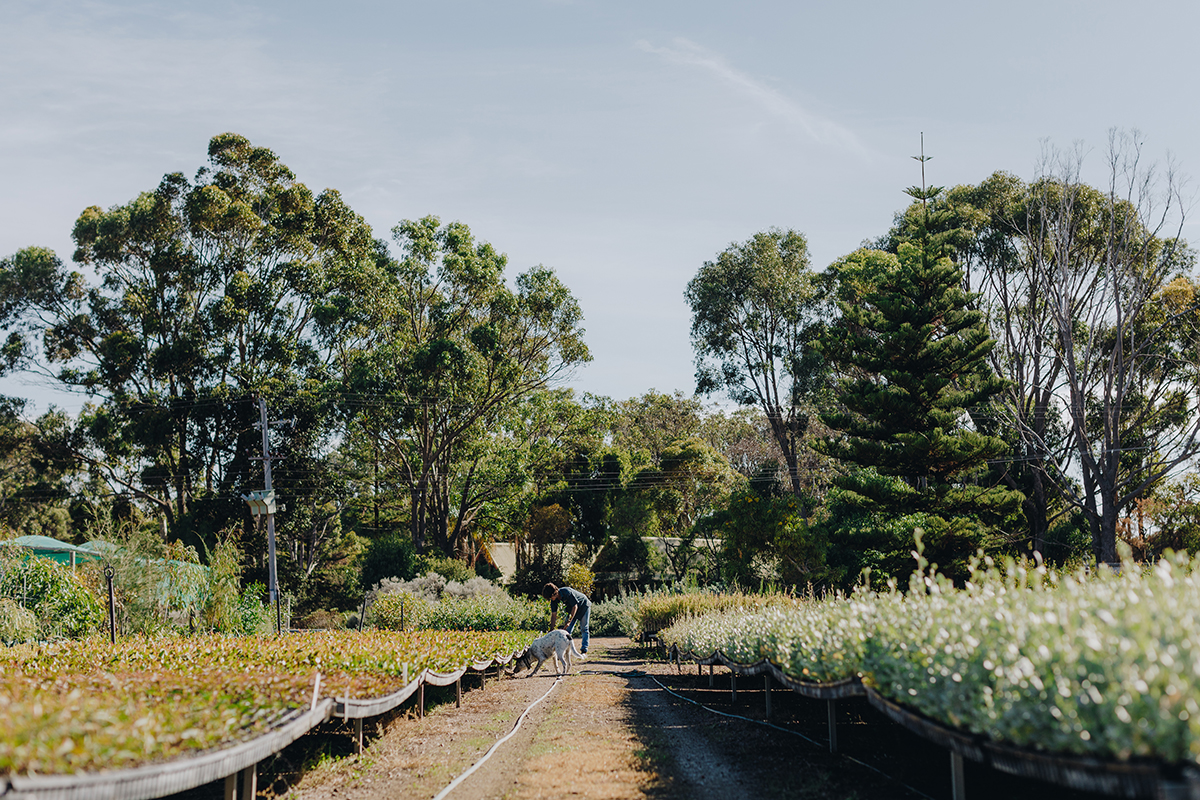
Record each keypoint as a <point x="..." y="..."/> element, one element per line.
<point x="553" y="614"/>
<point x="571" y="618"/>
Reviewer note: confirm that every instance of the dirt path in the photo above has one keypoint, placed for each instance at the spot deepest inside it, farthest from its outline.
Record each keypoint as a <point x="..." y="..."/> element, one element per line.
<point x="578" y="742"/>
<point x="609" y="730"/>
<point x="606" y="731"/>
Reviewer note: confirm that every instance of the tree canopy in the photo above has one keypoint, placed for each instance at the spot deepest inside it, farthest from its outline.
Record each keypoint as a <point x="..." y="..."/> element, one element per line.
<point x="755" y="314"/>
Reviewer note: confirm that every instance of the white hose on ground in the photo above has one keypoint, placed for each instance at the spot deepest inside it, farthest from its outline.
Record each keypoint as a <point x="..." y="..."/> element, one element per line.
<point x="454" y="783"/>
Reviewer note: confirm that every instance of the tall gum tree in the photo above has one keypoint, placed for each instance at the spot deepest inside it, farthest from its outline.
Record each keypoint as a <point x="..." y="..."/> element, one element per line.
<point x="1122" y="321"/>
<point x="1090" y="295"/>
<point x="236" y="283"/>
<point x="457" y="349"/>
<point x="755" y="313"/>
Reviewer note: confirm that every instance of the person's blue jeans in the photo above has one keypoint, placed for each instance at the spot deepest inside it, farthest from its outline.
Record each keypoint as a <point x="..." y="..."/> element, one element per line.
<point x="584" y="618"/>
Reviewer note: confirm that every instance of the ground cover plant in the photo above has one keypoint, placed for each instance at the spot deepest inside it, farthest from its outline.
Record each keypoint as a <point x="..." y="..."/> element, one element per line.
<point x="83" y="705"/>
<point x="1097" y="663"/>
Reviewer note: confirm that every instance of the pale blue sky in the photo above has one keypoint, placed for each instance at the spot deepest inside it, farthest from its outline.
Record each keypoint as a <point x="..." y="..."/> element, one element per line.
<point x="621" y="143"/>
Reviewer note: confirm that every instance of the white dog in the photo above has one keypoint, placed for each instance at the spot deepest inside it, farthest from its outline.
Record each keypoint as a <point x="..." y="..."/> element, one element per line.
<point x="556" y="643"/>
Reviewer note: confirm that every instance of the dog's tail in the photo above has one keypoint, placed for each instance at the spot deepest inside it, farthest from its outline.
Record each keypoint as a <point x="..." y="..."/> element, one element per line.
<point x="575" y="652"/>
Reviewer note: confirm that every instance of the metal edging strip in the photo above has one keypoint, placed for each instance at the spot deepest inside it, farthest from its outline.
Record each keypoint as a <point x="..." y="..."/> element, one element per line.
<point x="169" y="777"/>
<point x="1140" y="778"/>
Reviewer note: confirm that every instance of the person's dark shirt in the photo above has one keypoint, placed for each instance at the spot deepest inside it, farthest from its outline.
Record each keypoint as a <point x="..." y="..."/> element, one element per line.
<point x="569" y="598"/>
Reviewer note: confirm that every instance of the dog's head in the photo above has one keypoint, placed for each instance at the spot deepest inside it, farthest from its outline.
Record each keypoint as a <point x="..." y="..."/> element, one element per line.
<point x="523" y="661"/>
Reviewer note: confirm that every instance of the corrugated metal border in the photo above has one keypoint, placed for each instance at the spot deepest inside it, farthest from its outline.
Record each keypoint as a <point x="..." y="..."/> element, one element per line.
<point x="169" y="777"/>
<point x="816" y="690"/>
<point x="180" y="774"/>
<point x="1131" y="779"/>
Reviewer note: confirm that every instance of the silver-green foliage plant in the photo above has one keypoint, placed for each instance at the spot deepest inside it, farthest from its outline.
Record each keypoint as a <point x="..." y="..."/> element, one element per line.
<point x="820" y="641"/>
<point x="159" y="588"/>
<point x="615" y="617"/>
<point x="432" y="602"/>
<point x="1100" y="664"/>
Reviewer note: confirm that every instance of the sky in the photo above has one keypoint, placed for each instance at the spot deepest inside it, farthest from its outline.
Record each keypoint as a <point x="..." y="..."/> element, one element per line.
<point x="621" y="143"/>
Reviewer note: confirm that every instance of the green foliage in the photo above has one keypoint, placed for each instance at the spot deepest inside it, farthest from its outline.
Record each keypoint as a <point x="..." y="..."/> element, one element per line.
<point x="659" y="610"/>
<point x="809" y="640"/>
<point x="221" y="608"/>
<point x="458" y="353"/>
<point x="34" y="469"/>
<point x="616" y="616"/>
<point x="580" y="578"/>
<point x="452" y="569"/>
<point x="1097" y="663"/>
<point x="17" y="623"/>
<point x="865" y="542"/>
<point x="390" y="556"/>
<point x="541" y="550"/>
<point x="255" y="616"/>
<point x="756" y="312"/>
<point x="239" y="282"/>
<point x="646" y="426"/>
<point x="766" y="540"/>
<point x="61" y="603"/>
<point x="912" y="353"/>
<point x="484" y="612"/>
<point x="627" y="559"/>
<point x="161" y="587"/>
<point x="82" y="707"/>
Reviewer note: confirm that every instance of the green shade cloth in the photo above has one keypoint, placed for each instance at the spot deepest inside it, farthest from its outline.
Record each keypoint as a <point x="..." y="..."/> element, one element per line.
<point x="53" y="549"/>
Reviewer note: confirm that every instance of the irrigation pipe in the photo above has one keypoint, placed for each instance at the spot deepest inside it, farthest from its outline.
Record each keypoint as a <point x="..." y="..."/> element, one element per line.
<point x="454" y="783"/>
<point x="778" y="728"/>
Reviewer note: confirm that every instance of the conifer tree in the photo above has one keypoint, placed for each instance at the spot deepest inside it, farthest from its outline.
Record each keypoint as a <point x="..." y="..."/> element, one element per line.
<point x="913" y="357"/>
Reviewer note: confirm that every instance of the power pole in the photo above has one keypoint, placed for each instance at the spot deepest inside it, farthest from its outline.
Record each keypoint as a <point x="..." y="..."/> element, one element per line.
<point x="263" y="502"/>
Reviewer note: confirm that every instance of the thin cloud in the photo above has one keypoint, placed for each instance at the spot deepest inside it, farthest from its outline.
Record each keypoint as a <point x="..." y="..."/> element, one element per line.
<point x="816" y="127"/>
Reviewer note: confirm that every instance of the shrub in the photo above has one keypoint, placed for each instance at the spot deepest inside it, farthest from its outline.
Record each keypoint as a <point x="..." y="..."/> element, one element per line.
<point x="452" y="569"/>
<point x="1092" y="663"/>
<point x="400" y="609"/>
<point x="254" y="616"/>
<point x="221" y="609"/>
<point x="57" y="598"/>
<point x="658" y="610"/>
<point x="159" y="587"/>
<point x="17" y="623"/>
<point x="615" y="617"/>
<point x="580" y="578"/>
<point x="434" y="586"/>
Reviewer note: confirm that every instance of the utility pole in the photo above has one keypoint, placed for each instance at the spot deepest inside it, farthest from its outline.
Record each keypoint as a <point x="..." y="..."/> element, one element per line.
<point x="263" y="502"/>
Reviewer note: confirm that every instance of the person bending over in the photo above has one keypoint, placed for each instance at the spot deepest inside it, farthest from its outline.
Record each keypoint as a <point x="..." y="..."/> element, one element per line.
<point x="576" y="608"/>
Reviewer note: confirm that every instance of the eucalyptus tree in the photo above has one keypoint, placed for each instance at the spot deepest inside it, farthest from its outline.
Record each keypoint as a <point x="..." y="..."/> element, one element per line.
<point x="1123" y="323"/>
<point x="756" y="311"/>
<point x="1089" y="294"/>
<point x="456" y="351"/>
<point x="190" y="299"/>
<point x="646" y="426"/>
